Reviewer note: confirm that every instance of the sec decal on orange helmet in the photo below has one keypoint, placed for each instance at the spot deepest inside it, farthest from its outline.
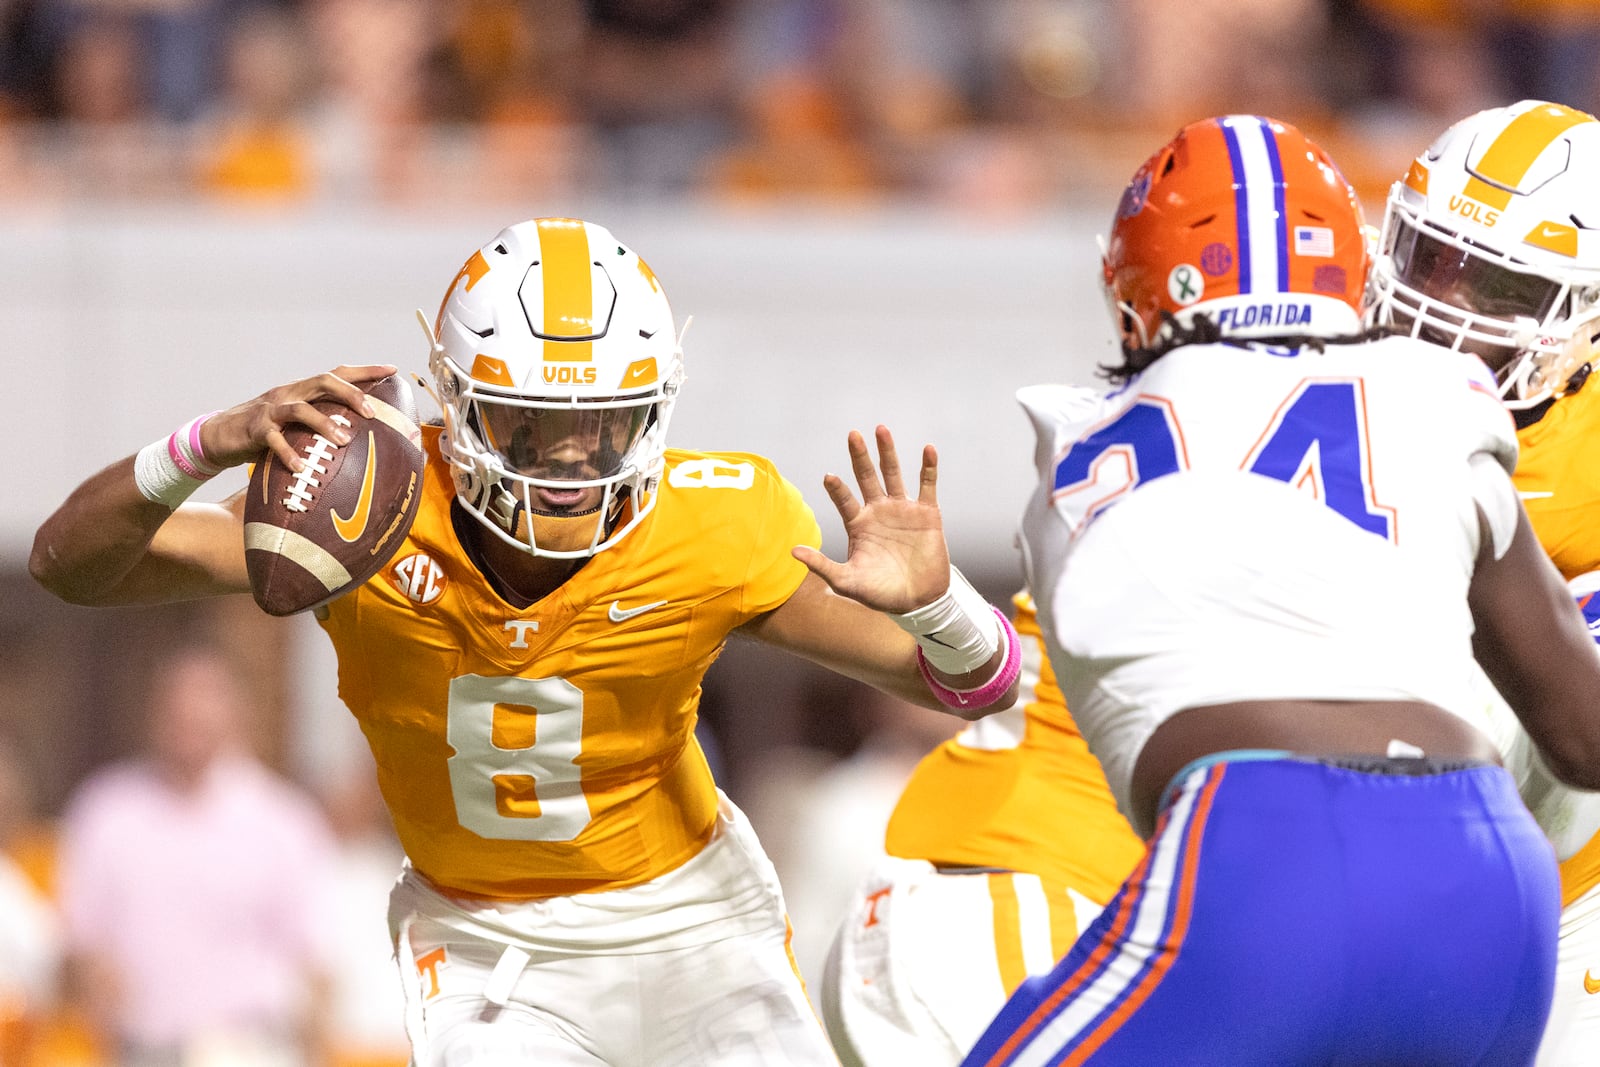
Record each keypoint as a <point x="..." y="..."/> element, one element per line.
<point x="1242" y="219"/>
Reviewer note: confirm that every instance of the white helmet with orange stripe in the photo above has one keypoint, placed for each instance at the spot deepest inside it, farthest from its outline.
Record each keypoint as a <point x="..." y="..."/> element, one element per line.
<point x="557" y="364"/>
<point x="1491" y="245"/>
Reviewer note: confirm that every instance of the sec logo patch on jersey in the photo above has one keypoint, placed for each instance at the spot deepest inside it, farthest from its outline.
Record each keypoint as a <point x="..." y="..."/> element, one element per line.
<point x="420" y="577"/>
<point x="313" y="534"/>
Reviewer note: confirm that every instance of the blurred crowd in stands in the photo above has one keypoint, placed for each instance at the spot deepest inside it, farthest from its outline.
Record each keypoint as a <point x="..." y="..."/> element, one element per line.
<point x="971" y="102"/>
<point x="192" y="907"/>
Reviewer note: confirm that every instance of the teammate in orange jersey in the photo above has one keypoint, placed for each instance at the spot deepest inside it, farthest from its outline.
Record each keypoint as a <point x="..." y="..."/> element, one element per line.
<point x="1269" y="562"/>
<point x="527" y="667"/>
<point x="1003" y="847"/>
<point x="1491" y="244"/>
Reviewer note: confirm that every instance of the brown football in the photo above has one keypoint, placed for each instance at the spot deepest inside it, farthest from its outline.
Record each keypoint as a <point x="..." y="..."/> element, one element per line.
<point x="310" y="536"/>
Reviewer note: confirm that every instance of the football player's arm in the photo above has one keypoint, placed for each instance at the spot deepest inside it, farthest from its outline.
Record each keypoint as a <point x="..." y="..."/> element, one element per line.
<point x="109" y="545"/>
<point x="126" y="535"/>
<point x="924" y="633"/>
<point x="853" y="640"/>
<point x="1531" y="641"/>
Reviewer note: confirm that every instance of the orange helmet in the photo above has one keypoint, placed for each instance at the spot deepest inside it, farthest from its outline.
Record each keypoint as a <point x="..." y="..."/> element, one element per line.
<point x="1242" y="219"/>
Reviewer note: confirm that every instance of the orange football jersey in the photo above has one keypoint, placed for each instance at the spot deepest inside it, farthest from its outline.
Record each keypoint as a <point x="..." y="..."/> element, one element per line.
<point x="539" y="752"/>
<point x="1019" y="790"/>
<point x="1558" y="475"/>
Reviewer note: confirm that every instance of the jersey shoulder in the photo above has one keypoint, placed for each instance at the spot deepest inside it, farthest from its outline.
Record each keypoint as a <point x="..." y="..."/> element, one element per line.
<point x="713" y="488"/>
<point x="730" y="520"/>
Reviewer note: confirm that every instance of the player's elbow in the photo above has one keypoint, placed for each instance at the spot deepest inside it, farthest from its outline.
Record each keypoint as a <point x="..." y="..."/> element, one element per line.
<point x="57" y="576"/>
<point x="45" y="568"/>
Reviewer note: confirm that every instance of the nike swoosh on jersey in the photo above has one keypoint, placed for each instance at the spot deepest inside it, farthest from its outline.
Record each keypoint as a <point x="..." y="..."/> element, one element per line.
<point x="1591" y="984"/>
<point x="618" y="613"/>
<point x="351" y="527"/>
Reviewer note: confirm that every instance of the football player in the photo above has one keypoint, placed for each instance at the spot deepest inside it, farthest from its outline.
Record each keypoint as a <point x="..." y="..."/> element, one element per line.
<point x="1004" y="845"/>
<point x="528" y="666"/>
<point x="1491" y="245"/>
<point x="1263" y="571"/>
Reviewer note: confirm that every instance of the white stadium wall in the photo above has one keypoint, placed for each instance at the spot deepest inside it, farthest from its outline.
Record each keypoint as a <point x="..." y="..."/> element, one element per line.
<point x="119" y="327"/>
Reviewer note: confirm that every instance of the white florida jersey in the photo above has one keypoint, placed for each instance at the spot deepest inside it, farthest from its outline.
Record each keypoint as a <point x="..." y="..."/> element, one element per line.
<point x="1253" y="523"/>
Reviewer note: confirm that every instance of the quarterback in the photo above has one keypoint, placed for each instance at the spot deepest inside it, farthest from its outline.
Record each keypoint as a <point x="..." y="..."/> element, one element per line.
<point x="527" y="668"/>
<point x="1264" y="570"/>
<point x="1488" y="246"/>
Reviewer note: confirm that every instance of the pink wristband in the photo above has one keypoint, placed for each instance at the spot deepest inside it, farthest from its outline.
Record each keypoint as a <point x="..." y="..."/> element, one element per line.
<point x="197" y="453"/>
<point x="991" y="690"/>
<point x="175" y="450"/>
<point x="184" y="448"/>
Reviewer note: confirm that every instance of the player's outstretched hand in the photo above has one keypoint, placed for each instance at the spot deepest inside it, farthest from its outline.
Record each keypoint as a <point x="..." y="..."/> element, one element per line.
<point x="896" y="559"/>
<point x="241" y="433"/>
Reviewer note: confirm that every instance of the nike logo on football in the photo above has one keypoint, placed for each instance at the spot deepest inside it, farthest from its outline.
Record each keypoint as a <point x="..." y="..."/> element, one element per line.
<point x="618" y="613"/>
<point x="351" y="527"/>
<point x="1591" y="985"/>
<point x="1551" y="231"/>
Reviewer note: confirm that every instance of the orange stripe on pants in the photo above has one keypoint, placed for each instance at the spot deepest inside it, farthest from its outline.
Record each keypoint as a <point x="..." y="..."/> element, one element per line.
<point x="1174" y="941"/>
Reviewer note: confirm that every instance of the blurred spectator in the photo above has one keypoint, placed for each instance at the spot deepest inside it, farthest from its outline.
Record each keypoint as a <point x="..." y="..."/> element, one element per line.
<point x="366" y="1014"/>
<point x="30" y="940"/>
<point x="178" y="45"/>
<point x="109" y="147"/>
<point x="191" y="883"/>
<point x="1177" y="60"/>
<point x="24" y="60"/>
<point x="256" y="146"/>
<point x="1441" y="59"/>
<point x="1547" y="50"/>
<point x="500" y="87"/>
<point x="372" y="55"/>
<point x="655" y="78"/>
<point x="797" y="142"/>
<point x="96" y="73"/>
<point x="858" y="99"/>
<point x="914" y="62"/>
<point x="1438" y="64"/>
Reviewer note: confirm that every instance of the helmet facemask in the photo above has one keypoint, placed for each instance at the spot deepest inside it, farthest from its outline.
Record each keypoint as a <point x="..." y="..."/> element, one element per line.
<point x="559" y="478"/>
<point x="1489" y="246"/>
<point x="1533" y="330"/>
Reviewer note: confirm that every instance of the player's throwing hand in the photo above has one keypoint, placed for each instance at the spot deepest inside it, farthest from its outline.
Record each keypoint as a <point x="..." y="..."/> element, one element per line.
<point x="241" y="433"/>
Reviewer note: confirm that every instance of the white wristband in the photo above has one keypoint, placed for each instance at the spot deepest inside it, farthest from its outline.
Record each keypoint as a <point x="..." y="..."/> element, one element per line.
<point x="958" y="633"/>
<point x="168" y="471"/>
<point x="158" y="477"/>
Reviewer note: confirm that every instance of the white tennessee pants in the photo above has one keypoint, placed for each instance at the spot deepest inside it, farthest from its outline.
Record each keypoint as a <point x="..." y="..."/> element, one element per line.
<point x="691" y="969"/>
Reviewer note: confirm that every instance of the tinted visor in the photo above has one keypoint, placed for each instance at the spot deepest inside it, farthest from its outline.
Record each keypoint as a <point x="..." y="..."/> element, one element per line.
<point x="1457" y="276"/>
<point x="583" y="443"/>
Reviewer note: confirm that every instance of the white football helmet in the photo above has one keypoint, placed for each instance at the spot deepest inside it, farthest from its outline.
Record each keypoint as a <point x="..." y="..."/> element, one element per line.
<point x="557" y="364"/>
<point x="1491" y="244"/>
